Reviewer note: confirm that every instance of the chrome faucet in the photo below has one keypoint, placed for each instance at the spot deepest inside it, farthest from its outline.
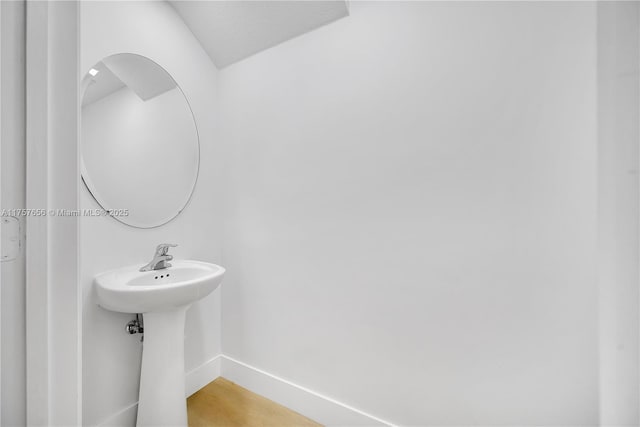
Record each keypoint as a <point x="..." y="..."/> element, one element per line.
<point x="160" y="258"/>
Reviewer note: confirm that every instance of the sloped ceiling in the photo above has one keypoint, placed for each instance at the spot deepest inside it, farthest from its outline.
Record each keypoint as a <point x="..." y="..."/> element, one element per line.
<point x="142" y="76"/>
<point x="145" y="78"/>
<point x="230" y="31"/>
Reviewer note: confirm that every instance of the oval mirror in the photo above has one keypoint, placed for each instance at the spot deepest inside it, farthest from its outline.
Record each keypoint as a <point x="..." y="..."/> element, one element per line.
<point x="140" y="150"/>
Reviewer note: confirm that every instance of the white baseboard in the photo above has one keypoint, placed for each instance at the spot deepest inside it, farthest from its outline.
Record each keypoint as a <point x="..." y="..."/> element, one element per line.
<point x="202" y="375"/>
<point x="124" y="417"/>
<point x="320" y="408"/>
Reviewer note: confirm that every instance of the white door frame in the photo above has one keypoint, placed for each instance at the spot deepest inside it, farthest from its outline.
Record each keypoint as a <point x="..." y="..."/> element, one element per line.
<point x="12" y="75"/>
<point x="0" y="229"/>
<point x="53" y="316"/>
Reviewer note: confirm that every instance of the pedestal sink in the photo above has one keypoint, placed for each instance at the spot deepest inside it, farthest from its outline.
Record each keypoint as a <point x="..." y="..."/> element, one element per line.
<point x="162" y="296"/>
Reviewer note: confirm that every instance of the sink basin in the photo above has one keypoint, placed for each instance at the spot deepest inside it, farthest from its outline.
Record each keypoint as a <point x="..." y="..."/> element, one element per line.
<point x="163" y="297"/>
<point x="128" y="290"/>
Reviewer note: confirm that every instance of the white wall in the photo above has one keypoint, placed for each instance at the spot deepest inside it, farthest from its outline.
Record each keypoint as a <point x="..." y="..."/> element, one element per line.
<point x="411" y="199"/>
<point x="618" y="217"/>
<point x="111" y="359"/>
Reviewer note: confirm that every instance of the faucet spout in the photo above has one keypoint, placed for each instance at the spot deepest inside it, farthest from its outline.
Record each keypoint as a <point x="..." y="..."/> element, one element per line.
<point x="160" y="259"/>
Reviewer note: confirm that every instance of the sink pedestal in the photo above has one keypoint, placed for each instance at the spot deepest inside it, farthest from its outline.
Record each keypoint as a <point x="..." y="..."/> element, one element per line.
<point x="162" y="399"/>
<point x="162" y="296"/>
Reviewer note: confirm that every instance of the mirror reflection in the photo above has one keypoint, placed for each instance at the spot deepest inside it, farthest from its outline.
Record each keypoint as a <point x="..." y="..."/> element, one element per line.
<point x="140" y="148"/>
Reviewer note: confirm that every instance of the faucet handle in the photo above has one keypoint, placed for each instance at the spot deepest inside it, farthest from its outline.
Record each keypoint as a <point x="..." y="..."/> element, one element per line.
<point x="163" y="248"/>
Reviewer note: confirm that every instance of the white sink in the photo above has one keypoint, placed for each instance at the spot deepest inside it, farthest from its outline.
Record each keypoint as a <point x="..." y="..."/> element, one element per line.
<point x="128" y="290"/>
<point x="163" y="297"/>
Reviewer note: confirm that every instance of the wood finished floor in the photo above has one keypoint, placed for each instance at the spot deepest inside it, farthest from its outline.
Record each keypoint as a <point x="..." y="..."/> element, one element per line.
<point x="222" y="403"/>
